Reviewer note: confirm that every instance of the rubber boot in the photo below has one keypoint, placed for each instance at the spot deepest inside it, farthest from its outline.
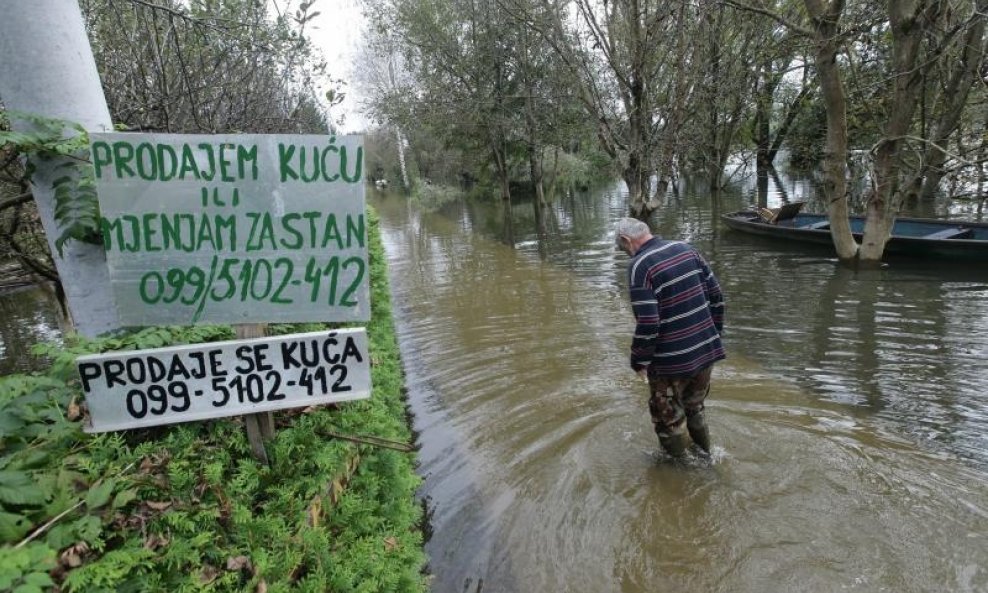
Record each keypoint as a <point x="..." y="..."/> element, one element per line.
<point x="697" y="426"/>
<point x="674" y="444"/>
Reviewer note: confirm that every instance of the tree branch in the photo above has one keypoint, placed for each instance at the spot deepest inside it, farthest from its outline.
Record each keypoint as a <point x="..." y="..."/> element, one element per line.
<point x="187" y="17"/>
<point x="796" y="28"/>
<point x="15" y="200"/>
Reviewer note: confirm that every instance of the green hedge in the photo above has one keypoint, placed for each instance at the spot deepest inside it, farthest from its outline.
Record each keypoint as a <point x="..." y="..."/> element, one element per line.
<point x="186" y="508"/>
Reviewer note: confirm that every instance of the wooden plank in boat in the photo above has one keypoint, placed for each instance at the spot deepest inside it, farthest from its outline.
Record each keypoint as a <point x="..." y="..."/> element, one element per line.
<point x="951" y="233"/>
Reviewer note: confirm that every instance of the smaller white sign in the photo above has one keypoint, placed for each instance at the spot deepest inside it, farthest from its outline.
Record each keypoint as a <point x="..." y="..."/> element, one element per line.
<point x="143" y="388"/>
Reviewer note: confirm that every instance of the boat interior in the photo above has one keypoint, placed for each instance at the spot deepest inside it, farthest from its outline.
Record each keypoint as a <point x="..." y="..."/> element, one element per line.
<point x="790" y="214"/>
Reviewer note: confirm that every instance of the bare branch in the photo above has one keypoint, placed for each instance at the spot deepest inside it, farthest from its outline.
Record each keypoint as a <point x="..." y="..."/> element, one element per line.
<point x="15" y="200"/>
<point x="794" y="27"/>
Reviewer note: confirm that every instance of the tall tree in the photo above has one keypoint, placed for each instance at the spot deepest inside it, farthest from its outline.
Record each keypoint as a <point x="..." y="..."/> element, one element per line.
<point x="207" y="66"/>
<point x="910" y="21"/>
<point x="825" y="17"/>
<point x="904" y="40"/>
<point x="385" y="77"/>
<point x="950" y="84"/>
<point x="632" y="60"/>
<point x="731" y="47"/>
<point x="784" y="55"/>
<point x="466" y="73"/>
<point x="550" y="105"/>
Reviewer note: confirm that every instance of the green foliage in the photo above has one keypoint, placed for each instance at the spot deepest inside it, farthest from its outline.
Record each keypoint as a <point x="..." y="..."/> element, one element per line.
<point x="48" y="139"/>
<point x="25" y="570"/>
<point x="432" y="197"/>
<point x="262" y="74"/>
<point x="575" y="169"/>
<point x="76" y="206"/>
<point x="186" y="508"/>
<point x="808" y="136"/>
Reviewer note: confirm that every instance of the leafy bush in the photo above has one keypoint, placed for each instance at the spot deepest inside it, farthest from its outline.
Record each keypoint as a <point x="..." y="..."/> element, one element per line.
<point x="76" y="206"/>
<point x="186" y="508"/>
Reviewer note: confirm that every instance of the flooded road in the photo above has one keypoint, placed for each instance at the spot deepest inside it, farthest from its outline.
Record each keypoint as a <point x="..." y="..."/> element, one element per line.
<point x="850" y="421"/>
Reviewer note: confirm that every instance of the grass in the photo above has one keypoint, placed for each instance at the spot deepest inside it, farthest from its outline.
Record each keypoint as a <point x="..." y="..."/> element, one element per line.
<point x="186" y="507"/>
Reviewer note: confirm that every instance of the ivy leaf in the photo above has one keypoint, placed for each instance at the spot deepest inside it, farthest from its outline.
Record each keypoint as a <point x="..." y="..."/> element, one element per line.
<point x="123" y="498"/>
<point x="60" y="536"/>
<point x="38" y="579"/>
<point x="10" y="424"/>
<point x="17" y="488"/>
<point x="99" y="495"/>
<point x="88" y="528"/>
<point x="32" y="460"/>
<point x="13" y="526"/>
<point x="76" y="206"/>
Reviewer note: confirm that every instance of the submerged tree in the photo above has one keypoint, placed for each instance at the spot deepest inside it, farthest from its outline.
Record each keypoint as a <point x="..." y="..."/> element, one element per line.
<point x="669" y="86"/>
<point x="632" y="60"/>
<point x="466" y="80"/>
<point x="898" y="47"/>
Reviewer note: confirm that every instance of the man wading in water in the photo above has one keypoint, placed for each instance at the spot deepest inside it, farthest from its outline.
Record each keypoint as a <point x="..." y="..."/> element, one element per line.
<point x="679" y="311"/>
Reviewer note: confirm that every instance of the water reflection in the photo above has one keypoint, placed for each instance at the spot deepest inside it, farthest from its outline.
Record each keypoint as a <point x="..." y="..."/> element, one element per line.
<point x="848" y="420"/>
<point x="27" y="317"/>
<point x="909" y="338"/>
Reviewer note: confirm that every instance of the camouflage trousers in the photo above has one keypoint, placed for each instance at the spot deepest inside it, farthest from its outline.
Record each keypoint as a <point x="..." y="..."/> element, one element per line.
<point x="674" y="399"/>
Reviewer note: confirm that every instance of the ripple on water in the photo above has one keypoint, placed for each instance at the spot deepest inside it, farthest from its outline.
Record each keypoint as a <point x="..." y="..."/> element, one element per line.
<point x="836" y="421"/>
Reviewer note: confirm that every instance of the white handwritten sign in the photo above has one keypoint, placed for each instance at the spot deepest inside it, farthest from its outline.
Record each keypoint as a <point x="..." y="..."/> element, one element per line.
<point x="233" y="228"/>
<point x="184" y="383"/>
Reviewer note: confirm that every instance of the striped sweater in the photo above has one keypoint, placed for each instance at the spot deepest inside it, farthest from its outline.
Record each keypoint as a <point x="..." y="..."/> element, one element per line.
<point x="678" y="307"/>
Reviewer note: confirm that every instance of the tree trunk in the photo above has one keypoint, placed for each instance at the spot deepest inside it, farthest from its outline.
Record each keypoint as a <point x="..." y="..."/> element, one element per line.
<point x="826" y="19"/>
<point x="501" y="164"/>
<point x="637" y="174"/>
<point x="713" y="157"/>
<point x="763" y="118"/>
<point x="555" y="175"/>
<point x="908" y="27"/>
<point x="981" y="162"/>
<point x="538" y="201"/>
<point x="791" y="113"/>
<point x="400" y="139"/>
<point x="761" y="184"/>
<point x="962" y="79"/>
<point x="534" y="146"/>
<point x="637" y="179"/>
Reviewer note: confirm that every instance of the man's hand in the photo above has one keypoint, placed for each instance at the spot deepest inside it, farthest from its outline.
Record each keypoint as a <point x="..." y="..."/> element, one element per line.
<point x="642" y="374"/>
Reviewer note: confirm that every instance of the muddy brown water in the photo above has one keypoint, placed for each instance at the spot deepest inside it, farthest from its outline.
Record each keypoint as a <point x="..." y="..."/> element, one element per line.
<point x="849" y="420"/>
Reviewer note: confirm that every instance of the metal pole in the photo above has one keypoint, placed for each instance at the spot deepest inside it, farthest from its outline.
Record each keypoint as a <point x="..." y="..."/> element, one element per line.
<point x="48" y="69"/>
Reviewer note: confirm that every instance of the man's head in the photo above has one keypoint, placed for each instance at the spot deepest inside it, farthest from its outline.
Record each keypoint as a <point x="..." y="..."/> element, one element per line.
<point x="630" y="234"/>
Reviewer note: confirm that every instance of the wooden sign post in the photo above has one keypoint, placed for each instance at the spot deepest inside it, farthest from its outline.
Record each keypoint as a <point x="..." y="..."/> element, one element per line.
<point x="260" y="426"/>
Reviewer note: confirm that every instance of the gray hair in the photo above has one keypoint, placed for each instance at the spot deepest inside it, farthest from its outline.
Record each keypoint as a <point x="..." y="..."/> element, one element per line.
<point x="631" y="228"/>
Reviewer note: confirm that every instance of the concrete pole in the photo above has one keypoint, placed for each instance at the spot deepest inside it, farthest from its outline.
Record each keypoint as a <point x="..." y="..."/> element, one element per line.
<point x="48" y="69"/>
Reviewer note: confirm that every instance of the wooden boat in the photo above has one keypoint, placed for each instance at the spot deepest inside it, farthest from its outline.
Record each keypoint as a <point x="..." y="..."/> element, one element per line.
<point x="913" y="237"/>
